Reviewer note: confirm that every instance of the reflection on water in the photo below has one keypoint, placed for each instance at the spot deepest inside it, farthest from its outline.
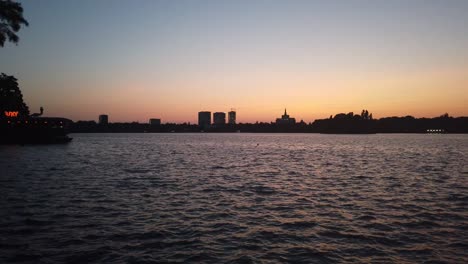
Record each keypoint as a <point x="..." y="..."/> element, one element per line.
<point x="236" y="198"/>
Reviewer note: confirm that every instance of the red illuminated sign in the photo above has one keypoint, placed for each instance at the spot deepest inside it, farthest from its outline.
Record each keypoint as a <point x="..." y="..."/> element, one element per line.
<point x="11" y="113"/>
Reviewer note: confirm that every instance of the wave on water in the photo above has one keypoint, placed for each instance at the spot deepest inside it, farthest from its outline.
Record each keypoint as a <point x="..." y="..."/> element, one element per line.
<point x="249" y="198"/>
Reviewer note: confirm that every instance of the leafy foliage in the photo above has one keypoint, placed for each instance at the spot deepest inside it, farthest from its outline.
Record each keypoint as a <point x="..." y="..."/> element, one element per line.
<point x="11" y="98"/>
<point x="11" y="19"/>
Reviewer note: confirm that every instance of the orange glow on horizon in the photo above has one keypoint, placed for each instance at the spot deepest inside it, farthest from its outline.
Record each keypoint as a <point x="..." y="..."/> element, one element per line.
<point x="259" y="96"/>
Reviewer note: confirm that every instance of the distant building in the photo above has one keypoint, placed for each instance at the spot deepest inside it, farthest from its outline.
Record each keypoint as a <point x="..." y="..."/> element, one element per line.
<point x="219" y="118"/>
<point x="155" y="121"/>
<point x="204" y="119"/>
<point x="285" y="119"/>
<point x="232" y="117"/>
<point x="103" y="119"/>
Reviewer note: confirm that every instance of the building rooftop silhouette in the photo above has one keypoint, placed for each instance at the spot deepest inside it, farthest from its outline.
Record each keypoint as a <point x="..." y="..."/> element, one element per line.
<point x="285" y="119"/>
<point x="219" y="118"/>
<point x="204" y="119"/>
<point x="232" y="117"/>
<point x="103" y="119"/>
<point x="155" y="121"/>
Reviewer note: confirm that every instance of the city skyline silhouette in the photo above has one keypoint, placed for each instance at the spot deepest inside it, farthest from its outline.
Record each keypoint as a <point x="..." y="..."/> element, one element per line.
<point x="173" y="59"/>
<point x="247" y="131"/>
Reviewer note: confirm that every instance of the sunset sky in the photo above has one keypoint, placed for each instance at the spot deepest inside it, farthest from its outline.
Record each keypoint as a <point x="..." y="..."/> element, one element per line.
<point x="134" y="60"/>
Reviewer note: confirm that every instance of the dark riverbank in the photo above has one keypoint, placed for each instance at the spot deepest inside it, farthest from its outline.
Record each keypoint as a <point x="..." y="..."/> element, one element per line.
<point x="340" y="124"/>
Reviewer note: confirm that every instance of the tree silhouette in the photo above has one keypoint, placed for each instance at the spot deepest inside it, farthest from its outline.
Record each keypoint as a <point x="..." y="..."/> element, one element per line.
<point x="11" y="19"/>
<point x="11" y="98"/>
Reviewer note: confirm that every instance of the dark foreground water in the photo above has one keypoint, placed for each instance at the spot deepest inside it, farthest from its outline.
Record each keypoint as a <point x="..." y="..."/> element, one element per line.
<point x="258" y="198"/>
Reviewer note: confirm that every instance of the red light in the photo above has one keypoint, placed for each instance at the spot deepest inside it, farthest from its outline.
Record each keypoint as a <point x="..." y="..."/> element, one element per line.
<point x="11" y="113"/>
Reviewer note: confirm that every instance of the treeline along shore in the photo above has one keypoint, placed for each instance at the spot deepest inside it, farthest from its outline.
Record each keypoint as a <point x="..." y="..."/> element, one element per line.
<point x="338" y="124"/>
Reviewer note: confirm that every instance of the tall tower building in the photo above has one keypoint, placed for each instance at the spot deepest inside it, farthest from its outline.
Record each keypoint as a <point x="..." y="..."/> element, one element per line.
<point x="219" y="118"/>
<point x="204" y="119"/>
<point x="232" y="117"/>
<point x="103" y="119"/>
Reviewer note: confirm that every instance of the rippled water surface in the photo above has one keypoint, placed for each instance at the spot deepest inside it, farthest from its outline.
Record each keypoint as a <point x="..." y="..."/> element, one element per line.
<point x="245" y="198"/>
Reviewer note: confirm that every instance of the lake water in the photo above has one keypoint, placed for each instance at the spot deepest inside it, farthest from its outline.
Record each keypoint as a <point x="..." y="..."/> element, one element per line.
<point x="237" y="198"/>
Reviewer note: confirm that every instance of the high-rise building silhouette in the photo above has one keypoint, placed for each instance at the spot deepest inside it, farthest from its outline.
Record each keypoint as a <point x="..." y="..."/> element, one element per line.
<point x="232" y="117"/>
<point x="219" y="118"/>
<point x="103" y="119"/>
<point x="204" y="119"/>
<point x="155" y="121"/>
